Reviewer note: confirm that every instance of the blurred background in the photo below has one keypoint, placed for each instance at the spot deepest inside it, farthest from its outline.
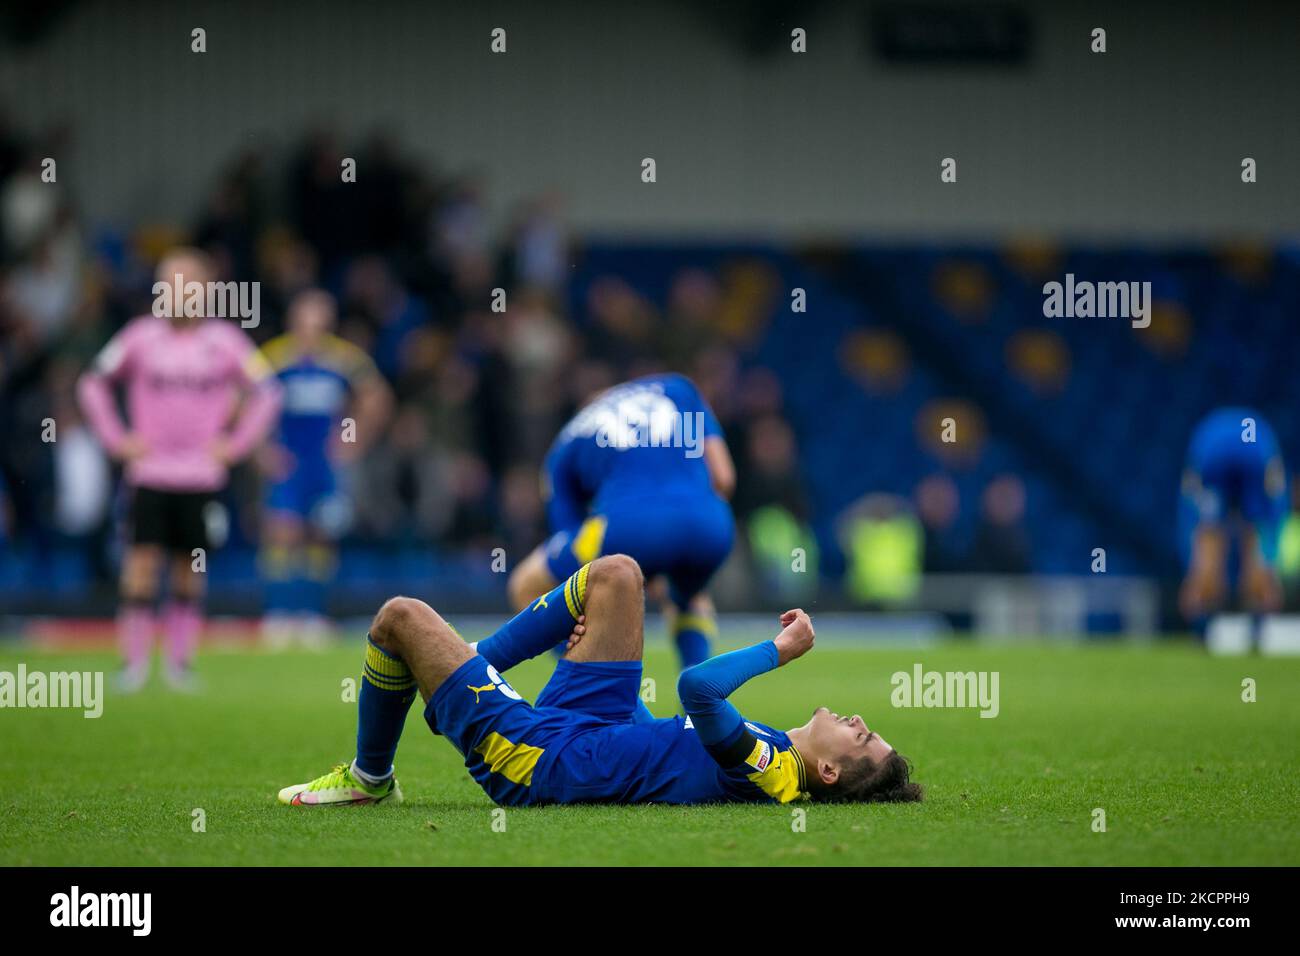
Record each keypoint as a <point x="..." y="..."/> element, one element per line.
<point x="776" y="171"/>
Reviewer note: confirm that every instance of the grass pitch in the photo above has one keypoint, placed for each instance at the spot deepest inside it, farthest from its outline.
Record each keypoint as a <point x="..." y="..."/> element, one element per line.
<point x="1159" y="738"/>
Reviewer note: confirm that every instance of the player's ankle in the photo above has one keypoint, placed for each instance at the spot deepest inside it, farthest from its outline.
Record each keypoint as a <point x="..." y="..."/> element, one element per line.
<point x="371" y="780"/>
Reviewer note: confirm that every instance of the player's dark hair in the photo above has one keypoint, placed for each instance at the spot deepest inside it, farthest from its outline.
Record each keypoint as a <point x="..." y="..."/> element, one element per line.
<point x="866" y="781"/>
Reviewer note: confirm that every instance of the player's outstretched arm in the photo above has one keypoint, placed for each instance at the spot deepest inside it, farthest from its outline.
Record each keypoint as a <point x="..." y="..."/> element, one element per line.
<point x="704" y="688"/>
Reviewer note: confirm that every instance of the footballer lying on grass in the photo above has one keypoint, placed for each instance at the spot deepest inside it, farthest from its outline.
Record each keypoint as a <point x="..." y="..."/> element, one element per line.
<point x="590" y="738"/>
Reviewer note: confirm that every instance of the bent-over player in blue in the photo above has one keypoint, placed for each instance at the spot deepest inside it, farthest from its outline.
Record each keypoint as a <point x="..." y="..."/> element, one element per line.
<point x="1231" y="511"/>
<point x="582" y="741"/>
<point x="641" y="470"/>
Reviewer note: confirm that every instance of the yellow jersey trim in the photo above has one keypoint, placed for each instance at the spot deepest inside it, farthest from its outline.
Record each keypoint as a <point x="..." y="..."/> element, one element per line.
<point x="513" y="761"/>
<point x="589" y="540"/>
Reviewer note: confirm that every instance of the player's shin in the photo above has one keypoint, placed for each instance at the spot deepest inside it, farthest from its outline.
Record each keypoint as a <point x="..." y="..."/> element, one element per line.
<point x="135" y="633"/>
<point x="279" y="567"/>
<point x="182" y="624"/>
<point x="387" y="689"/>
<point x="540" y="626"/>
<point x="319" y="568"/>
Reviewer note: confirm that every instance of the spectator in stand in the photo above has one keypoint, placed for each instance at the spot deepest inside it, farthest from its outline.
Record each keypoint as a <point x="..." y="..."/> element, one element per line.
<point x="770" y="475"/>
<point x="1001" y="542"/>
<point x="938" y="504"/>
<point x="881" y="540"/>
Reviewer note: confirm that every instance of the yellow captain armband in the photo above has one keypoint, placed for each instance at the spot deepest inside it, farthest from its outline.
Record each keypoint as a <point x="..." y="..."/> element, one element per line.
<point x="778" y="773"/>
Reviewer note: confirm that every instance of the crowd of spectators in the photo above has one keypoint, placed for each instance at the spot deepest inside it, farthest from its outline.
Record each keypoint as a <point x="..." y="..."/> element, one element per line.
<point x="413" y="258"/>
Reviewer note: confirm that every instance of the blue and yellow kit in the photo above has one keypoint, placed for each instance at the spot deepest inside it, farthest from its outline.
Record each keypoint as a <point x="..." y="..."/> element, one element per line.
<point x="627" y="475"/>
<point x="581" y="742"/>
<point x="317" y="388"/>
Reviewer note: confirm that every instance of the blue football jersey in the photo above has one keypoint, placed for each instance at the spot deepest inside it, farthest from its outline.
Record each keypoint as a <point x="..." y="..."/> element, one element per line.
<point x="317" y="388"/>
<point x="664" y="761"/>
<point x="644" y="438"/>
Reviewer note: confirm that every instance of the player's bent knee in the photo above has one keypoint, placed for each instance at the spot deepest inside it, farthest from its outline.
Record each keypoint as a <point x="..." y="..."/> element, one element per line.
<point x="397" y="620"/>
<point x="616" y="571"/>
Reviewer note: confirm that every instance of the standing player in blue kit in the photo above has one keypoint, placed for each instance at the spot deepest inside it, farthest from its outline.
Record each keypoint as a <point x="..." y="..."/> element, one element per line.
<point x="642" y="470"/>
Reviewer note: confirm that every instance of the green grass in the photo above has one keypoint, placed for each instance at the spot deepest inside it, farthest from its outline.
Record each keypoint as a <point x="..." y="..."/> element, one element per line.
<point x="1187" y="773"/>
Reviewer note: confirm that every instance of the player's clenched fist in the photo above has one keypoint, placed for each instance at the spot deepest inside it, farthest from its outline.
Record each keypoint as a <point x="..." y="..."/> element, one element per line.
<point x="796" y="637"/>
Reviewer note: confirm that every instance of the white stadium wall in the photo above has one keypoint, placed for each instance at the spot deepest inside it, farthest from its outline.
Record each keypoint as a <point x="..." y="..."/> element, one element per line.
<point x="1144" y="141"/>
